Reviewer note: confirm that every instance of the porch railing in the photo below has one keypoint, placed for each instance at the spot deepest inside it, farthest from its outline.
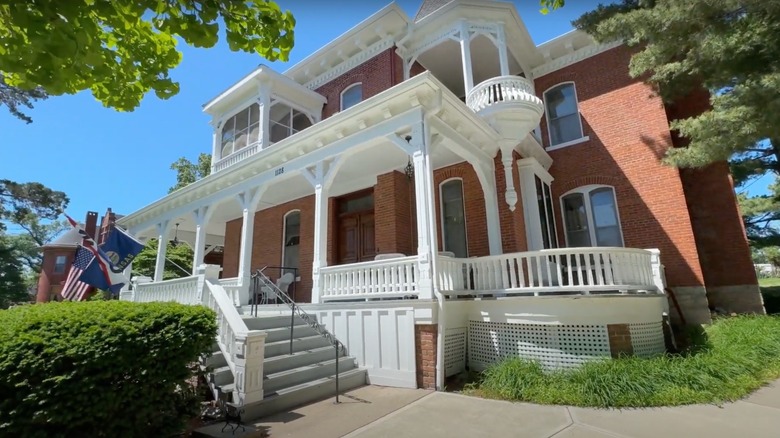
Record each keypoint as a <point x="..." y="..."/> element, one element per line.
<point x="185" y="290"/>
<point x="232" y="288"/>
<point x="573" y="270"/>
<point x="501" y="89"/>
<point x="235" y="157"/>
<point x="375" y="279"/>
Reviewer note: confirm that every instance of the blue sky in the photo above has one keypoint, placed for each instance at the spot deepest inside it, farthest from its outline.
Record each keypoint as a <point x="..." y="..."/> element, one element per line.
<point x="102" y="158"/>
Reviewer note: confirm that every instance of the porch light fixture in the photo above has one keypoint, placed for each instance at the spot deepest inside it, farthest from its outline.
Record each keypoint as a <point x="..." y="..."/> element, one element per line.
<point x="175" y="240"/>
<point x="409" y="169"/>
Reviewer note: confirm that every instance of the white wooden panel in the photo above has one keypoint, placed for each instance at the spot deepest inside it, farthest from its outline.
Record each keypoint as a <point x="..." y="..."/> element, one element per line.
<point x="381" y="340"/>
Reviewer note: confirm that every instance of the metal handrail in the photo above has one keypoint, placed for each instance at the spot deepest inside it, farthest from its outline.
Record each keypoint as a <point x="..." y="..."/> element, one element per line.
<point x="259" y="279"/>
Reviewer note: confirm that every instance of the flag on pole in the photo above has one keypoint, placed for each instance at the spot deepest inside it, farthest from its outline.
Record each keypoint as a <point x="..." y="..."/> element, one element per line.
<point x="75" y="289"/>
<point x="118" y="250"/>
<point x="101" y="272"/>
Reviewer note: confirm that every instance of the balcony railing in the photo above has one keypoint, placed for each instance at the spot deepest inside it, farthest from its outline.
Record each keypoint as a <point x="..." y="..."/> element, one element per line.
<point x="502" y="89"/>
<point x="235" y="157"/>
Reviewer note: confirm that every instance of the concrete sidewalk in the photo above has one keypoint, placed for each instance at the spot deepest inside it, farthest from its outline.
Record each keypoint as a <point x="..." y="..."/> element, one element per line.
<point x="375" y="411"/>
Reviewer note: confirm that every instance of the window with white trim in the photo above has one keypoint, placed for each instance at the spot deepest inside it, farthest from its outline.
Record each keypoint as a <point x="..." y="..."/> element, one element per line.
<point x="59" y="264"/>
<point x="563" y="116"/>
<point x="453" y="217"/>
<point x="351" y="96"/>
<point x="591" y="217"/>
<point x="292" y="240"/>
<point x="241" y="130"/>
<point x="286" y="121"/>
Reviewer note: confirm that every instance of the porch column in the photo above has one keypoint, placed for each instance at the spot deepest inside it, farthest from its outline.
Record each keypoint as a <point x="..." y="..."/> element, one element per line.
<point x="465" y="50"/>
<point x="216" y="149"/>
<point x="427" y="246"/>
<point x="202" y="216"/>
<point x="248" y="201"/>
<point x="501" y="46"/>
<point x="162" y="248"/>
<point x="320" y="177"/>
<point x="486" y="176"/>
<point x="264" y="101"/>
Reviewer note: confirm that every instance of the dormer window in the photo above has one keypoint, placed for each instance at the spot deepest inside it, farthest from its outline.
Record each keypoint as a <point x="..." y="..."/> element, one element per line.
<point x="351" y="96"/>
<point x="241" y="130"/>
<point x="286" y="121"/>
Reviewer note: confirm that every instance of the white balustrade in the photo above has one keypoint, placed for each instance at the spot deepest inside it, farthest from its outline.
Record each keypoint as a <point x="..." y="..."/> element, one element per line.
<point x="375" y="279"/>
<point x="185" y="290"/>
<point x="235" y="157"/>
<point x="232" y="287"/>
<point x="501" y="89"/>
<point x="576" y="270"/>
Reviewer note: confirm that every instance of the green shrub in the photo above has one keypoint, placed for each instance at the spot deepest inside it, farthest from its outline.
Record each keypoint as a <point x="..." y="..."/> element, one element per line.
<point x="99" y="368"/>
<point x="735" y="357"/>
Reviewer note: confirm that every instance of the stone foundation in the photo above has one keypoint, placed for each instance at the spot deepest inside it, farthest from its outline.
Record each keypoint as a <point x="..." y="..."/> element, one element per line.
<point x="693" y="303"/>
<point x="736" y="299"/>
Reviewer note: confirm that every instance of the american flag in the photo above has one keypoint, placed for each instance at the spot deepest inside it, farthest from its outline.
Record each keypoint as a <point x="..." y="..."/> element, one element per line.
<point x="74" y="289"/>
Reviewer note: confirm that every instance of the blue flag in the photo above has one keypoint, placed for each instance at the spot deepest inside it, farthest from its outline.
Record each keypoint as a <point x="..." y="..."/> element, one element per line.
<point x="116" y="253"/>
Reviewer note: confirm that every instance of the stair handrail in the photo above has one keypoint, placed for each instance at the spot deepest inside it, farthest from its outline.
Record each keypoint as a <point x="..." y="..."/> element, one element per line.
<point x="259" y="279"/>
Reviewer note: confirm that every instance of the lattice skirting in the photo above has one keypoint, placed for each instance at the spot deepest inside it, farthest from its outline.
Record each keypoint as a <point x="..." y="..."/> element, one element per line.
<point x="454" y="351"/>
<point x="555" y="346"/>
<point x="647" y="339"/>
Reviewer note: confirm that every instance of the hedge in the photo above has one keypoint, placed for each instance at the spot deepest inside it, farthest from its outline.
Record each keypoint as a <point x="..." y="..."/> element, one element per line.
<point x="99" y="368"/>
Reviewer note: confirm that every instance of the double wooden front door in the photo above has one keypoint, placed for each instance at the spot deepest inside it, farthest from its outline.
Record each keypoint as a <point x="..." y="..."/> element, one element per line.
<point x="356" y="228"/>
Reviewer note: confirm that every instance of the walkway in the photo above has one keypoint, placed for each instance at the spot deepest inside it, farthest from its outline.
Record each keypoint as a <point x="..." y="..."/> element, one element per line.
<point x="391" y="412"/>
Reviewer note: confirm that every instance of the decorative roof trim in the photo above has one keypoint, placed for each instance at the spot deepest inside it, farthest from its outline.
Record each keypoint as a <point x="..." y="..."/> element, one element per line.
<point x="573" y="58"/>
<point x="361" y="57"/>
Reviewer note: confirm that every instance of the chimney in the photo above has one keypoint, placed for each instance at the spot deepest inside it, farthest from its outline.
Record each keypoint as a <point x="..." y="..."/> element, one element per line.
<point x="90" y="224"/>
<point x="106" y="224"/>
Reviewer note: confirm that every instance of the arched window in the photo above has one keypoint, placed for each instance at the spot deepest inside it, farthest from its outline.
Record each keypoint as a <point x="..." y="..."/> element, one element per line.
<point x="292" y="240"/>
<point x="563" y="116"/>
<point x="351" y="96"/>
<point x="453" y="217"/>
<point x="591" y="217"/>
<point x="241" y="130"/>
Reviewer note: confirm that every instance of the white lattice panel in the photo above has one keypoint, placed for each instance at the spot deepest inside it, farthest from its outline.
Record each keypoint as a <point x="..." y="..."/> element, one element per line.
<point x="647" y="339"/>
<point x="554" y="345"/>
<point x="454" y="351"/>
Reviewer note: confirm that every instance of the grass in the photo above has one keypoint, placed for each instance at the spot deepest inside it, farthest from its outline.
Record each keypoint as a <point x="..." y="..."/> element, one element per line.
<point x="729" y="360"/>
<point x="770" y="289"/>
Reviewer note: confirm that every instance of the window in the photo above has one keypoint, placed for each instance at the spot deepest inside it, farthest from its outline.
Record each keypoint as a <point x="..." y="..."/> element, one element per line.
<point x="546" y="216"/>
<point x="292" y="240"/>
<point x="59" y="264"/>
<point x="453" y="217"/>
<point x="591" y="217"/>
<point x="351" y="96"/>
<point x="241" y="130"/>
<point x="563" y="116"/>
<point x="285" y="122"/>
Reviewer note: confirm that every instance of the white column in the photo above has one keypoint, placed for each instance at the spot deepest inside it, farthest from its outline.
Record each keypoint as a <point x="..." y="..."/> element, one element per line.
<point x="486" y="174"/>
<point x="162" y="248"/>
<point x="501" y="46"/>
<point x="507" y="158"/>
<point x="465" y="50"/>
<point x="264" y="101"/>
<point x="248" y="202"/>
<point x="201" y="216"/>
<point x="426" y="214"/>
<point x="528" y="168"/>
<point x="320" y="178"/>
<point x="216" y="144"/>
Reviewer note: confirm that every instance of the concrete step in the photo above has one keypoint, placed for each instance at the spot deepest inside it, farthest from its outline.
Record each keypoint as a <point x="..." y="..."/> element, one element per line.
<point x="284" y="362"/>
<point x="299" y="344"/>
<point x="221" y="376"/>
<point x="307" y="373"/>
<point x="304" y="393"/>
<point x="216" y="360"/>
<point x="270" y="322"/>
<point x="283" y="333"/>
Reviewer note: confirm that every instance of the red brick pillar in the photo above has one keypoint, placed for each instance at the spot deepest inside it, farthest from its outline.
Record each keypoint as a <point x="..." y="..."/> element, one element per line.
<point x="393" y="214"/>
<point x="425" y="355"/>
<point x="620" y="340"/>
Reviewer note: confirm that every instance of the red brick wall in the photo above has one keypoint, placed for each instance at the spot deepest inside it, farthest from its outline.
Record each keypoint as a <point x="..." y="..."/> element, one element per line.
<point x="624" y="152"/>
<point x="48" y="280"/>
<point x="473" y="205"/>
<point x="393" y="218"/>
<point x="717" y="223"/>
<point x="425" y="355"/>
<point x="376" y="74"/>
<point x="267" y="243"/>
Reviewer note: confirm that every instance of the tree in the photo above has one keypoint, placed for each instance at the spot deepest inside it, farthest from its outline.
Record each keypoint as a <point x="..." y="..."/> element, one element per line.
<point x="14" y="97"/>
<point x="548" y="5"/>
<point x="188" y="172"/>
<point x="729" y="48"/>
<point x="761" y="215"/>
<point x="12" y="286"/>
<point x="181" y="255"/>
<point x="34" y="235"/>
<point x="20" y="200"/>
<point x="122" y="49"/>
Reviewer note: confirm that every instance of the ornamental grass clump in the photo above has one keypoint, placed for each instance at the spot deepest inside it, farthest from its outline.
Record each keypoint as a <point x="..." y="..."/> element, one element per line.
<point x="99" y="368"/>
<point x="729" y="360"/>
